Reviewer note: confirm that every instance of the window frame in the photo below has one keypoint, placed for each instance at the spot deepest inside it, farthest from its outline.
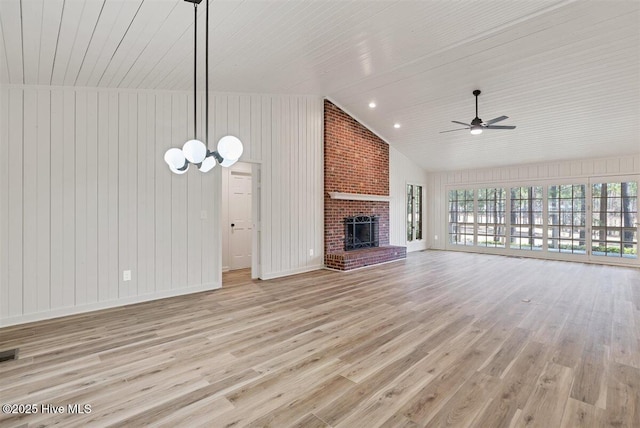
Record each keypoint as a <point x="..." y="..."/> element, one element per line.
<point x="410" y="233"/>
<point x="544" y="253"/>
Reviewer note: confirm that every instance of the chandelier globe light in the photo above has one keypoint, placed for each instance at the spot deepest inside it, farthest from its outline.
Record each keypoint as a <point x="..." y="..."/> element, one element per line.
<point x="230" y="147"/>
<point x="176" y="160"/>
<point x="194" y="151"/>
<point x="208" y="163"/>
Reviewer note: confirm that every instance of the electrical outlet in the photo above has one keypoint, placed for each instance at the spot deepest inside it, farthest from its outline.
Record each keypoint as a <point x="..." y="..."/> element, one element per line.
<point x="436" y="237"/>
<point x="311" y="251"/>
<point x="126" y="275"/>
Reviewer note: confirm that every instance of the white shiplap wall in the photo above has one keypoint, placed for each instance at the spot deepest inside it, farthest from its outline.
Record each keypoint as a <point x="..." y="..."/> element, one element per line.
<point x="403" y="171"/>
<point x="283" y="134"/>
<point x="85" y="194"/>
<point x="292" y="183"/>
<point x="560" y="172"/>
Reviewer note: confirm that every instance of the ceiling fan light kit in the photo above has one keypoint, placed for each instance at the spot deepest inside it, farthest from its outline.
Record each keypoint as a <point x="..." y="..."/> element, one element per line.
<point x="194" y="151"/>
<point x="477" y="125"/>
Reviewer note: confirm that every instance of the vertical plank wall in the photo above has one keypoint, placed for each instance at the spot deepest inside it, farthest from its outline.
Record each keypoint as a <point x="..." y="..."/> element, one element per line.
<point x="85" y="194"/>
<point x="292" y="209"/>
<point x="563" y="171"/>
<point x="284" y="134"/>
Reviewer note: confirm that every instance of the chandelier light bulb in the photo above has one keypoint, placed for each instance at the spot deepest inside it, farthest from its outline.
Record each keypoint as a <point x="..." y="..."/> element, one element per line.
<point x="230" y="147"/>
<point x="174" y="158"/>
<point x="208" y="163"/>
<point x="195" y="151"/>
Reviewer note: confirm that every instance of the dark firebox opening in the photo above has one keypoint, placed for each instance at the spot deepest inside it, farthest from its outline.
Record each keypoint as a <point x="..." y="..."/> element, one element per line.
<point x="360" y="232"/>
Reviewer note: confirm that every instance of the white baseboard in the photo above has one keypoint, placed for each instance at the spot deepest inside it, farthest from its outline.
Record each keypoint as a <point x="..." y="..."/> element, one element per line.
<point x="73" y="310"/>
<point x="273" y="275"/>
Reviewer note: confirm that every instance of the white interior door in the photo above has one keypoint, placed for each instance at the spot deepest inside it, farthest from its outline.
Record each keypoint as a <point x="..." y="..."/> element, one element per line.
<point x="240" y="224"/>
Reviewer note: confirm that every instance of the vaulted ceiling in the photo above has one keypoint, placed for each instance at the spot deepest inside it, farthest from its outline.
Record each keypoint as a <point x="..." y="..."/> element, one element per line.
<point x="567" y="73"/>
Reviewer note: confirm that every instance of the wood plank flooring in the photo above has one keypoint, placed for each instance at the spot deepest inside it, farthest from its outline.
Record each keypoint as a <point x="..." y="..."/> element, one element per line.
<point x="439" y="339"/>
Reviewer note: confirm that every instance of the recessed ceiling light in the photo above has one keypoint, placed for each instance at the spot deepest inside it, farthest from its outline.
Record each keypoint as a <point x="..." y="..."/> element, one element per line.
<point x="396" y="125"/>
<point x="372" y="105"/>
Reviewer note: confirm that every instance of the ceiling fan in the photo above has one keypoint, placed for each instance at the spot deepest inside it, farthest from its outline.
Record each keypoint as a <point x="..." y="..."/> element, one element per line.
<point x="477" y="125"/>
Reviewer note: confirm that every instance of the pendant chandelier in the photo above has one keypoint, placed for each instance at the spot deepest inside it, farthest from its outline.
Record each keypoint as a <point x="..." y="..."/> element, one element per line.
<point x="195" y="151"/>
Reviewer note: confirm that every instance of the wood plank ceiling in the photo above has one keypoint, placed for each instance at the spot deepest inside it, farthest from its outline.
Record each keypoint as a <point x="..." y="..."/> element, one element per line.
<point x="567" y="73"/>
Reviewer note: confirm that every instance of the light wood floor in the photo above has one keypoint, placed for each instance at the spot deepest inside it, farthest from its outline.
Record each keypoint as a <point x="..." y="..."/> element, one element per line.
<point x="441" y="339"/>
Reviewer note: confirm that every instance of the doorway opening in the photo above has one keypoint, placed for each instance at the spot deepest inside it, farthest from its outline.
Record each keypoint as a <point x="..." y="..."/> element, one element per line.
<point x="240" y="234"/>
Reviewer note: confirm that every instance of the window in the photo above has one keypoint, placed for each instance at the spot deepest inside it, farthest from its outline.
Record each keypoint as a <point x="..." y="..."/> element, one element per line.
<point x="567" y="217"/>
<point x="414" y="212"/>
<point x="461" y="217"/>
<point x="595" y="219"/>
<point x="615" y="216"/>
<point x="491" y="217"/>
<point x="526" y="218"/>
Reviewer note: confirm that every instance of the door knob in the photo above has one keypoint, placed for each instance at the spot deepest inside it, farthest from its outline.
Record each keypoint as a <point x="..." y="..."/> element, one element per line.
<point x="232" y="224"/>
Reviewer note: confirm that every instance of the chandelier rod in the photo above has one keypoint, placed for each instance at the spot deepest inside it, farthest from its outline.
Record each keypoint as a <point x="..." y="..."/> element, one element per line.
<point x="195" y="67"/>
<point x="206" y="79"/>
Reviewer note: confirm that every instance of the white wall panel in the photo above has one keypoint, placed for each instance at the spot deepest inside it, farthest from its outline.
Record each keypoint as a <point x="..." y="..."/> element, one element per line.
<point x="282" y="150"/>
<point x="4" y="67"/>
<point x="142" y="154"/>
<point x="4" y="202"/>
<point x="112" y="199"/>
<point x="69" y="200"/>
<point x="57" y="198"/>
<point x="244" y="124"/>
<point x="162" y="196"/>
<point x="43" y="209"/>
<point x="102" y="193"/>
<point x="267" y="205"/>
<point x="29" y="201"/>
<point x="92" y="197"/>
<point x="86" y="194"/>
<point x="152" y="158"/>
<point x="15" y="239"/>
<point x="273" y="181"/>
<point x="211" y="237"/>
<point x="124" y="169"/>
<point x="289" y="158"/>
<point x="179" y="196"/>
<point x="82" y="137"/>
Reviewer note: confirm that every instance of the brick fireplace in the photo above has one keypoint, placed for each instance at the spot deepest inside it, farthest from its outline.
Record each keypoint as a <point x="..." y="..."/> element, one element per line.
<point x="356" y="183"/>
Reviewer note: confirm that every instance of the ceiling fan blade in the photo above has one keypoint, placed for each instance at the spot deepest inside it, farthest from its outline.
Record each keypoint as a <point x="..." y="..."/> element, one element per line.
<point x="461" y="123"/>
<point x="451" y="130"/>
<point x="497" y="119"/>
<point x="499" y="127"/>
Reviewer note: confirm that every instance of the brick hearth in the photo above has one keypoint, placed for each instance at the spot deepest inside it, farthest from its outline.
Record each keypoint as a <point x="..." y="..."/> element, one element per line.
<point x="347" y="260"/>
<point x="355" y="161"/>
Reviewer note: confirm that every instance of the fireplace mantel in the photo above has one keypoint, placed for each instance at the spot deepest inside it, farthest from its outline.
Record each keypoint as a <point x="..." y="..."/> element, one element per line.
<point x="358" y="197"/>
